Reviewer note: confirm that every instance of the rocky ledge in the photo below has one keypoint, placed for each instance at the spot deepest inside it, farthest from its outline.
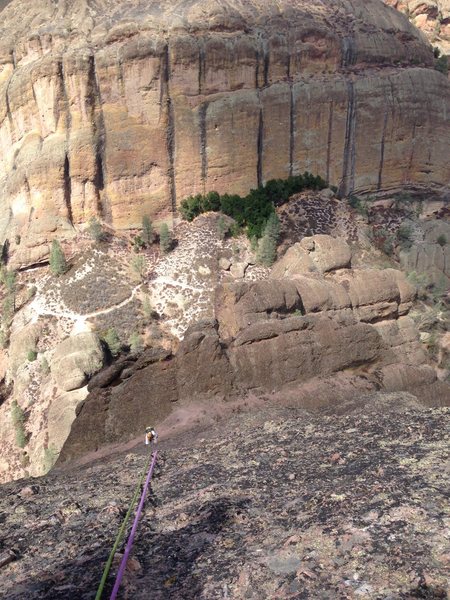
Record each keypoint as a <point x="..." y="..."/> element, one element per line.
<point x="273" y="503"/>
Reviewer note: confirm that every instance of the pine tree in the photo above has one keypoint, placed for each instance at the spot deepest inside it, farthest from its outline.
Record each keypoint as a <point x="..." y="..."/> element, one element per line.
<point x="165" y="239"/>
<point x="148" y="234"/>
<point x="58" y="263"/>
<point x="267" y="247"/>
<point x="112" y="340"/>
<point x="136" y="343"/>
<point x="138" y="264"/>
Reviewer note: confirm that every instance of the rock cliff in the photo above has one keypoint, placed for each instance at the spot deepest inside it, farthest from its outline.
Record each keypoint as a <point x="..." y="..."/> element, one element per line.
<point x="430" y="16"/>
<point x="268" y="336"/>
<point x="118" y="109"/>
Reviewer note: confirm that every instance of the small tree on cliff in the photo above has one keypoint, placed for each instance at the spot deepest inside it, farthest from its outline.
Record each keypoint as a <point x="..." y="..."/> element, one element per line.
<point x="96" y="231"/>
<point x="267" y="247"/>
<point x="165" y="239"/>
<point x="148" y="234"/>
<point x="58" y="263"/>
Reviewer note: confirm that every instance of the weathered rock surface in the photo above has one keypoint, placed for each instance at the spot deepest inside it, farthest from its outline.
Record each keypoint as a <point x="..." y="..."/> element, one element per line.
<point x="120" y="109"/>
<point x="320" y="253"/>
<point x="430" y="255"/>
<point x="430" y="16"/>
<point x="269" y="336"/>
<point x="75" y="359"/>
<point x="275" y="503"/>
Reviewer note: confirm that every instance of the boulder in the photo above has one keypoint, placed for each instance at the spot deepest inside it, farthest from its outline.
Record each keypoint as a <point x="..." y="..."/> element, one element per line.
<point x="237" y="305"/>
<point x="327" y="253"/>
<point x="75" y="360"/>
<point x="202" y="367"/>
<point x="319" y="253"/>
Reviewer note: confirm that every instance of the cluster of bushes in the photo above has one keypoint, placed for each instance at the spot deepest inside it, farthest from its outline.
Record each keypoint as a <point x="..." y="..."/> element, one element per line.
<point x="252" y="211"/>
<point x="441" y="63"/>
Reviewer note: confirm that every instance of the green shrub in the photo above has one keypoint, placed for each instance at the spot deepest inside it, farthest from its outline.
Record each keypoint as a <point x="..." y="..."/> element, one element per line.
<point x="148" y="234"/>
<point x="359" y="205"/>
<point x="112" y="340"/>
<point x="139" y="265"/>
<point x="96" y="231"/>
<point x="442" y="240"/>
<point x="31" y="355"/>
<point x="138" y="243"/>
<point x="252" y="211"/>
<point x="441" y="65"/>
<point x="165" y="239"/>
<point x="136" y="343"/>
<point x="267" y="247"/>
<point x="31" y="292"/>
<point x="8" y="308"/>
<point x="58" y="263"/>
<point x="222" y="227"/>
<point x="404" y="234"/>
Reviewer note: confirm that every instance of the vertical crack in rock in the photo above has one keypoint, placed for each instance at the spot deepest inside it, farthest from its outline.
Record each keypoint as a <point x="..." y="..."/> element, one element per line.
<point x="68" y="190"/>
<point x="257" y="58"/>
<point x="104" y="207"/>
<point x="383" y="137"/>
<point x="330" y="136"/>
<point x="203" y="142"/>
<point x="260" y="140"/>
<point x="8" y="108"/>
<point x="62" y="78"/>
<point x="411" y="156"/>
<point x="348" y="171"/>
<point x="201" y="68"/>
<point x="348" y="52"/>
<point x="266" y="67"/>
<point x="170" y="136"/>
<point x="291" y="128"/>
<point x="120" y="76"/>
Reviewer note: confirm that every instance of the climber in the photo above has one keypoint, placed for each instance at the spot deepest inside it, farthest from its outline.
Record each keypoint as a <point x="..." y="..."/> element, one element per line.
<point x="150" y="435"/>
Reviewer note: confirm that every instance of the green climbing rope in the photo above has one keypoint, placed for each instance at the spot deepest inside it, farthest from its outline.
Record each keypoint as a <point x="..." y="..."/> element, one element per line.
<point x="121" y="531"/>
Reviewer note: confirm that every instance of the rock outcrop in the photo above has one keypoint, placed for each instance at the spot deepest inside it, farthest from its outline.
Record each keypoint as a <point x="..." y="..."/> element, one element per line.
<point x="75" y="359"/>
<point x="268" y="336"/>
<point x="430" y="16"/>
<point x="118" y="109"/>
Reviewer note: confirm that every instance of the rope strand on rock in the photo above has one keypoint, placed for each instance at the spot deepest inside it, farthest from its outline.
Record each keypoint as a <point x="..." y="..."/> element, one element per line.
<point x="134" y="528"/>
<point x="121" y="532"/>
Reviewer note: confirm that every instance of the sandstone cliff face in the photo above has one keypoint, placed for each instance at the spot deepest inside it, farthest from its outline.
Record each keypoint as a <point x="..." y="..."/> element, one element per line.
<point x="119" y="109"/>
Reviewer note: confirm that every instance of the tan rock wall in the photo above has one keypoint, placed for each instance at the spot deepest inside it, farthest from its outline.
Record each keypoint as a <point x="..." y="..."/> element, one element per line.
<point x="127" y="111"/>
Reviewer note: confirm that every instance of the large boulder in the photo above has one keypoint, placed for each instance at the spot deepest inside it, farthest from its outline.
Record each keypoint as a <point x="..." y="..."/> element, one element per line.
<point x="75" y="360"/>
<point x="319" y="253"/>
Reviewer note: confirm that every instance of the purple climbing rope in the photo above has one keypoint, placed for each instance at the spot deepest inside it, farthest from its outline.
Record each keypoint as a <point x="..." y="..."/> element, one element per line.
<point x="130" y="541"/>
